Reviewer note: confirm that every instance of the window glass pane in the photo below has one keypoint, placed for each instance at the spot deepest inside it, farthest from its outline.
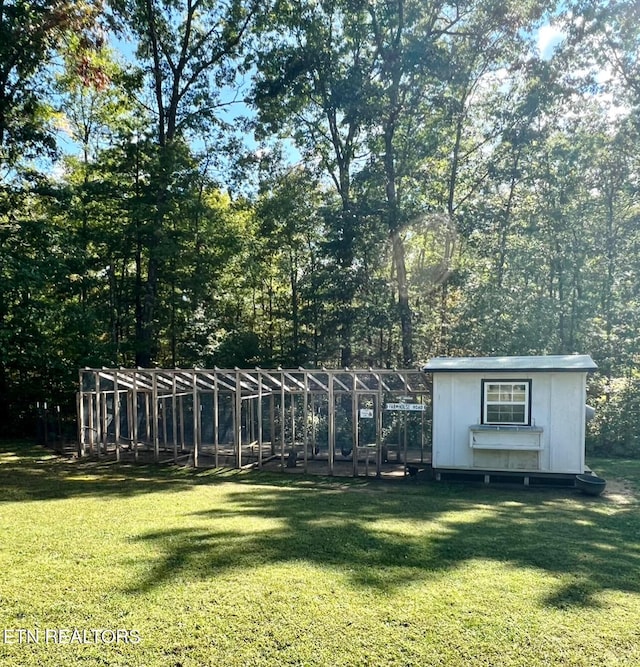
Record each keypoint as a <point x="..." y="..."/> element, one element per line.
<point x="506" y="402"/>
<point x="505" y="393"/>
<point x="506" y="414"/>
<point x="493" y="392"/>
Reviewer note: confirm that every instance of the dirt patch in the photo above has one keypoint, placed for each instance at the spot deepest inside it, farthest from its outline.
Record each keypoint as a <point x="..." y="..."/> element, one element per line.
<point x="620" y="491"/>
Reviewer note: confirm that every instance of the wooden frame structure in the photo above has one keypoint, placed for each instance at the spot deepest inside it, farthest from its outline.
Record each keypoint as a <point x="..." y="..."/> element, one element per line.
<point x="239" y="417"/>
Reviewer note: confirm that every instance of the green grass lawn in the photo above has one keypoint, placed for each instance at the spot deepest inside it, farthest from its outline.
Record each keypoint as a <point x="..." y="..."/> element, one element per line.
<point x="227" y="568"/>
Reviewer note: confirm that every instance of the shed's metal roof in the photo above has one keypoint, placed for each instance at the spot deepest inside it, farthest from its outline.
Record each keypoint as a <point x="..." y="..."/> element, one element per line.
<point x="553" y="362"/>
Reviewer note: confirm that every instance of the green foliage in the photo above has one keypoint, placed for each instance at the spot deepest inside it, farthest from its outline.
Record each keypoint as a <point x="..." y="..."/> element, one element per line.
<point x="613" y="431"/>
<point x="29" y="35"/>
<point x="457" y="192"/>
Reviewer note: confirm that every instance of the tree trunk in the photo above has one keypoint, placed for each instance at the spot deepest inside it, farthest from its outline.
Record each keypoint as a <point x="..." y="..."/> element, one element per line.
<point x="397" y="244"/>
<point x="404" y="307"/>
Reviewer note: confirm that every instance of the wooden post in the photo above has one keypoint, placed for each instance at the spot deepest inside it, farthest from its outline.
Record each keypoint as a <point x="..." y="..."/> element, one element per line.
<point x="81" y="423"/>
<point x="404" y="448"/>
<point x="406" y="416"/>
<point x="147" y="418"/>
<point x="183" y="445"/>
<point x="313" y="427"/>
<point x="272" y="418"/>
<point x="252" y="421"/>
<point x="422" y="430"/>
<point x="292" y="405"/>
<point x="116" y="413"/>
<point x="379" y="425"/>
<point x="90" y="420"/>
<point x="216" y="427"/>
<point x="163" y="409"/>
<point x="98" y="420"/>
<point x="129" y="409"/>
<point x="104" y="426"/>
<point x="174" y="417"/>
<point x="60" y="445"/>
<point x="134" y="422"/>
<point x="238" y="411"/>
<point x="259" y="421"/>
<point x="196" y="421"/>
<point x="354" y="426"/>
<point x="234" y="425"/>
<point x="45" y="424"/>
<point x="282" y="418"/>
<point x="154" y="411"/>
<point x="331" y="423"/>
<point x="305" y="418"/>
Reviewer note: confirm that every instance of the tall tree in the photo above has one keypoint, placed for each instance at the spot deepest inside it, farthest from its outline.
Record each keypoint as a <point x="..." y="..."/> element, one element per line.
<point x="313" y="76"/>
<point x="290" y="230"/>
<point x="31" y="33"/>
<point x="431" y="60"/>
<point x="368" y="79"/>
<point x="94" y="109"/>
<point x="189" y="51"/>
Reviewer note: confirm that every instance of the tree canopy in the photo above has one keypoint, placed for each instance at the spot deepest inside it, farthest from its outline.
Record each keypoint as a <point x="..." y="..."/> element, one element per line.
<point x="327" y="182"/>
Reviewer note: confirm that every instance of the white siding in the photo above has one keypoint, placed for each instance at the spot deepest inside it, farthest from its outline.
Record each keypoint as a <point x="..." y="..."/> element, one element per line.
<point x="557" y="406"/>
<point x="566" y="423"/>
<point x="442" y="437"/>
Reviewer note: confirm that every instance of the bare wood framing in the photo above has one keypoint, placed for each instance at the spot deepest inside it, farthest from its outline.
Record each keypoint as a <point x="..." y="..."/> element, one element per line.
<point x="238" y="422"/>
<point x="216" y="439"/>
<point x="154" y="410"/>
<point x="305" y="420"/>
<point x="196" y="424"/>
<point x="282" y="413"/>
<point x="331" y="418"/>
<point x="259" y="421"/>
<point x="181" y="412"/>
<point x="104" y="423"/>
<point x="252" y="392"/>
<point x="134" y="417"/>
<point x="82" y="443"/>
<point x="354" y="426"/>
<point x="116" y="415"/>
<point x="174" y="419"/>
<point x="97" y="423"/>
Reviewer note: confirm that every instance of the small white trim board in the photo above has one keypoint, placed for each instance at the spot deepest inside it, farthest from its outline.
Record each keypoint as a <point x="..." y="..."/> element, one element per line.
<point x="406" y="407"/>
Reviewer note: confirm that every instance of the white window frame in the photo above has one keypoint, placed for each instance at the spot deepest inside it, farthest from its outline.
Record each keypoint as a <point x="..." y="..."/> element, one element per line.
<point x="526" y="402"/>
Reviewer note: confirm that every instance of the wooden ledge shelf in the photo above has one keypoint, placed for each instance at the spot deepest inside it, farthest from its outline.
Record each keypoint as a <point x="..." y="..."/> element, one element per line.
<point x="507" y="428"/>
<point x="514" y="448"/>
<point x="506" y="438"/>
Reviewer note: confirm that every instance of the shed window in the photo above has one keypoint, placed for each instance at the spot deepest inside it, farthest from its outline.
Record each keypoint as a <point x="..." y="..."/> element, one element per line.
<point x="506" y="402"/>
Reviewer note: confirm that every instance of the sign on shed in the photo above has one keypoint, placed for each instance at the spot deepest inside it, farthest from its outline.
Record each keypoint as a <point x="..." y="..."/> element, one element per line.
<point x="406" y="407"/>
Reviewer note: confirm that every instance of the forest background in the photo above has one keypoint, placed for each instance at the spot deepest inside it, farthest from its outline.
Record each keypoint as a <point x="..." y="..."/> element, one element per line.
<point x="318" y="183"/>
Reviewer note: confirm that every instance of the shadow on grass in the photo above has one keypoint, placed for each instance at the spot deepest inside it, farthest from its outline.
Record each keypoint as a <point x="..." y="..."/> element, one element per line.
<point x="31" y="472"/>
<point x="379" y="535"/>
<point x="386" y="540"/>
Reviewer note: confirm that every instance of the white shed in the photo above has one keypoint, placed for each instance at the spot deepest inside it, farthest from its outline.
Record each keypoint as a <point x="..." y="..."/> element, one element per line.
<point x="510" y="414"/>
